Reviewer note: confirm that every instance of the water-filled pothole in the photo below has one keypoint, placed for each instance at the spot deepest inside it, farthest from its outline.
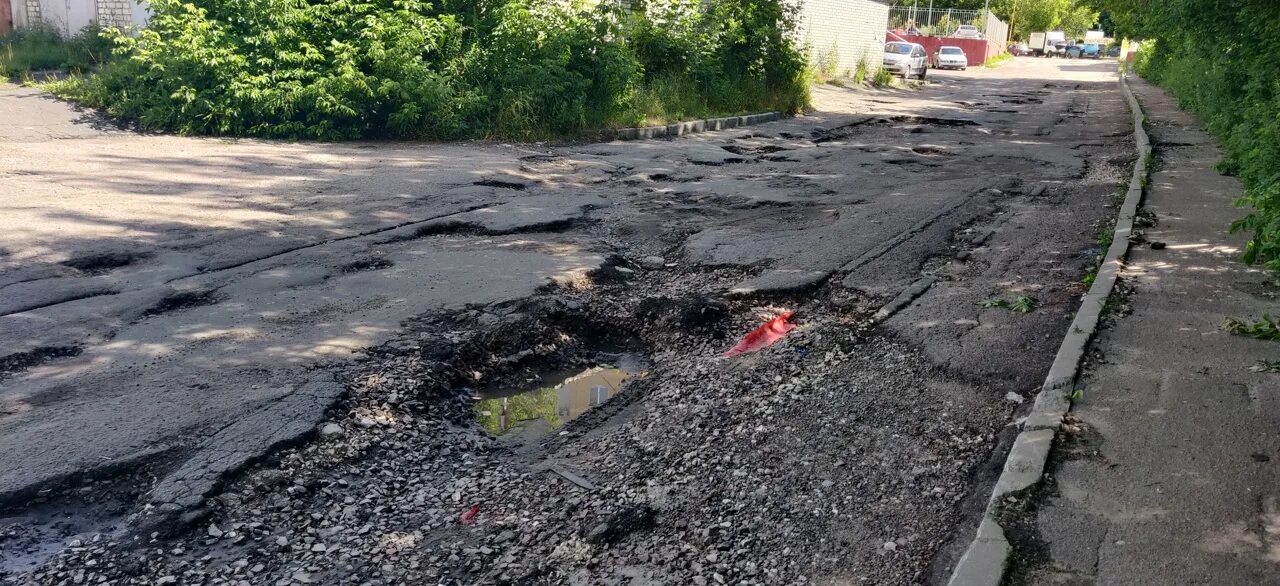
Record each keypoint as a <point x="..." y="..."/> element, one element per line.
<point x="546" y="405"/>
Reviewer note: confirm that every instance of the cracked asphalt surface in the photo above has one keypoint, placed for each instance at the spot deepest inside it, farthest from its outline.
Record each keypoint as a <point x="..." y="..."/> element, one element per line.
<point x="181" y="307"/>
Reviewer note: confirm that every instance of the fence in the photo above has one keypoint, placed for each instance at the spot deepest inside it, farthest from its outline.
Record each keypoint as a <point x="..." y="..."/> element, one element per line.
<point x="943" y="22"/>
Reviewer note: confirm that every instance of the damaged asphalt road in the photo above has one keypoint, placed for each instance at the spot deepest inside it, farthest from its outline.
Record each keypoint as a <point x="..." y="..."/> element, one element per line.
<point x="171" y="316"/>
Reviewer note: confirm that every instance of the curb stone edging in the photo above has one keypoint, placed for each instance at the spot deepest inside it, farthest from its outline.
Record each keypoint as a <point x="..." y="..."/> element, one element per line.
<point x="691" y="126"/>
<point x="985" y="560"/>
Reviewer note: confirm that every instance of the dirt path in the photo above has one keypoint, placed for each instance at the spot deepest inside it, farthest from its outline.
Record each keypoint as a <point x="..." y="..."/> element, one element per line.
<point x="173" y="308"/>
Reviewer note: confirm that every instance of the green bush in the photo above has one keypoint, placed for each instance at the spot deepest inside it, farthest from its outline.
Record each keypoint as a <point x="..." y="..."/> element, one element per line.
<point x="1220" y="64"/>
<point x="27" y="51"/>
<point x="416" y="69"/>
<point x="882" y="78"/>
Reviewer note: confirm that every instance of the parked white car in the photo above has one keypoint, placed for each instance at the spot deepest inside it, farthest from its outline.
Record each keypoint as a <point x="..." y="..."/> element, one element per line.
<point x="949" y="57"/>
<point x="967" y="31"/>
<point x="906" y="59"/>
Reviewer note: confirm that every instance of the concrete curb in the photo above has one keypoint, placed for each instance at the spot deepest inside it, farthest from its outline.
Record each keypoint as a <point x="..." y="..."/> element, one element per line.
<point x="984" y="562"/>
<point x="689" y="127"/>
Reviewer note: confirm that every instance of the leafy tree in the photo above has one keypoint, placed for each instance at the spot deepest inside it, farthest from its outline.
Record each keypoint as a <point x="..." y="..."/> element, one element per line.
<point x="1217" y="57"/>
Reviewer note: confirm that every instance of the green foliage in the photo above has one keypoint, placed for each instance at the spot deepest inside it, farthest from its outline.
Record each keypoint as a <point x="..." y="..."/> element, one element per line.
<point x="1264" y="329"/>
<point x="826" y="66"/>
<point x="1022" y="304"/>
<point x="1219" y="62"/>
<point x="1266" y="366"/>
<point x="882" y="78"/>
<point x="1106" y="236"/>
<point x="1073" y="17"/>
<point x="27" y="51"/>
<point x="997" y="60"/>
<point x="520" y="409"/>
<point x="860" y="73"/>
<point x="416" y="69"/>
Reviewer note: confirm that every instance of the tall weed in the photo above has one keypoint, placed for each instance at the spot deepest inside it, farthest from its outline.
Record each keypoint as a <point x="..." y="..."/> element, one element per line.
<point x="34" y="50"/>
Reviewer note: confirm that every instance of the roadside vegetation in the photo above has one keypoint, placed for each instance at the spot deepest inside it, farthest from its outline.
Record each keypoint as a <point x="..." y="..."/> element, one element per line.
<point x="37" y="50"/>
<point x="1021" y="304"/>
<point x="1023" y="16"/>
<point x="446" y="69"/>
<point x="997" y="60"/>
<point x="1220" y="64"/>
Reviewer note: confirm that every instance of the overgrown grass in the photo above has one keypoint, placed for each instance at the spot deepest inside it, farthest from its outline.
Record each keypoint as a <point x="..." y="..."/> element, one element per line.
<point x="861" y="72"/>
<point x="997" y="60"/>
<point x="29" y="51"/>
<point x="445" y="69"/>
<point x="882" y="78"/>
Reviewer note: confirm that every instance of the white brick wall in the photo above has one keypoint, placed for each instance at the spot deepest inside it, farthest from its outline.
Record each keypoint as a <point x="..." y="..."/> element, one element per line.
<point x="847" y="29"/>
<point x="69" y="16"/>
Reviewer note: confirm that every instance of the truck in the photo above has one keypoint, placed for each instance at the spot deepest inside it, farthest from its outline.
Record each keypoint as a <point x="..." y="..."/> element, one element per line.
<point x="1043" y="44"/>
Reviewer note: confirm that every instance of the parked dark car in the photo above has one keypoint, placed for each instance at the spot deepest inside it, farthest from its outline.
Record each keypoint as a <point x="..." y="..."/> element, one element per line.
<point x="1113" y="51"/>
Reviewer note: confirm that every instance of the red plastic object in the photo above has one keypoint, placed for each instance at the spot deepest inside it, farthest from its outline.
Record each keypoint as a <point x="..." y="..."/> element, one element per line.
<point x="469" y="517"/>
<point x="763" y="336"/>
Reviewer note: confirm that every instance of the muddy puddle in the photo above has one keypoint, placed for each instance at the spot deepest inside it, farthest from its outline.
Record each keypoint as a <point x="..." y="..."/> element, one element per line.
<point x="544" y="406"/>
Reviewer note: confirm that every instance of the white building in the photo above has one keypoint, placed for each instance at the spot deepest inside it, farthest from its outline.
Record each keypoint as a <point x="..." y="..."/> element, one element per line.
<point x="69" y="16"/>
<point x="846" y="31"/>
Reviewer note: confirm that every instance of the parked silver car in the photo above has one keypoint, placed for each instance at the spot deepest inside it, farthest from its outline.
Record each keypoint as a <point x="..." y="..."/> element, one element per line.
<point x="949" y="57"/>
<point x="967" y="31"/>
<point x="906" y="59"/>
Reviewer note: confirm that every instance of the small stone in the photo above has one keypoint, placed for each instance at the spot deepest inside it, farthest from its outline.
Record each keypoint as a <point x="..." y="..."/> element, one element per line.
<point x="167" y="580"/>
<point x="366" y="422"/>
<point x="282" y="541"/>
<point x="890" y="546"/>
<point x="1015" y="398"/>
<point x="1157" y="246"/>
<point x="653" y="263"/>
<point x="319" y="548"/>
<point x="214" y="531"/>
<point x="330" y="430"/>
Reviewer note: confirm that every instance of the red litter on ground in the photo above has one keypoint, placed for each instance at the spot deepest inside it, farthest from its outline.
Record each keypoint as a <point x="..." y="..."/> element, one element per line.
<point x="763" y="336"/>
<point x="469" y="517"/>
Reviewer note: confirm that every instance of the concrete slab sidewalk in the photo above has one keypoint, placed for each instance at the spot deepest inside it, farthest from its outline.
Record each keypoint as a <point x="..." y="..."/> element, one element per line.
<point x="1172" y="476"/>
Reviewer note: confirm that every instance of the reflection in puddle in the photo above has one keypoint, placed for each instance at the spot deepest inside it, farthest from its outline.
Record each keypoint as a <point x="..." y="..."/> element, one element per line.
<point x="549" y="407"/>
